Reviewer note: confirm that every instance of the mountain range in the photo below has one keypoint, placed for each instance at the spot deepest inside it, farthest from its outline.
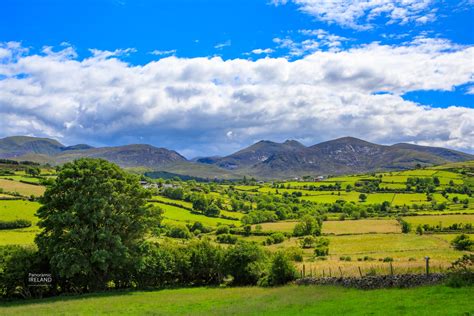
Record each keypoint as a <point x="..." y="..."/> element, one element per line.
<point x="264" y="159"/>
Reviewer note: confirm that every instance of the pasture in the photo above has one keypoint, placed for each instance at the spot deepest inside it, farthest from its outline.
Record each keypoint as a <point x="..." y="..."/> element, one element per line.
<point x="175" y="214"/>
<point x="18" y="209"/>
<point x="445" y="220"/>
<point x="21" y="188"/>
<point x="362" y="226"/>
<point x="286" y="300"/>
<point x="282" y="226"/>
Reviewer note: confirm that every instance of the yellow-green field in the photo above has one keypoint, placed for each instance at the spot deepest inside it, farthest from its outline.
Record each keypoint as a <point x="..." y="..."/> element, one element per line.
<point x="445" y="220"/>
<point x="173" y="214"/>
<point x="362" y="226"/>
<point x="283" y="226"/>
<point x="21" y="188"/>
<point x="18" y="209"/>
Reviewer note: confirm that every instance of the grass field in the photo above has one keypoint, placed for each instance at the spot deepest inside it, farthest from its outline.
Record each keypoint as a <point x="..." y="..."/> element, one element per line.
<point x="21" y="188"/>
<point x="446" y="220"/>
<point x="363" y="226"/>
<point x="22" y="178"/>
<point x="287" y="300"/>
<point x="277" y="226"/>
<point x="173" y="214"/>
<point x="22" y="236"/>
<point x="18" y="209"/>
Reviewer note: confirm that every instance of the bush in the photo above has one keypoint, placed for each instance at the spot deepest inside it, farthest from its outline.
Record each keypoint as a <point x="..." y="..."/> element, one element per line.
<point x="178" y="231"/>
<point x="222" y="229"/>
<point x="307" y="226"/>
<point x="278" y="238"/>
<point x="226" y="239"/>
<point x="462" y="242"/>
<point x="18" y="223"/>
<point x="321" y="247"/>
<point x="295" y="253"/>
<point x="245" y="262"/>
<point x="16" y="263"/>
<point x="388" y="259"/>
<point x="281" y="270"/>
<point x="461" y="272"/>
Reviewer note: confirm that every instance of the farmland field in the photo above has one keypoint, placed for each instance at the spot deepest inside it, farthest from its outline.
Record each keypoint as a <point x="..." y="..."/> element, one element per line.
<point x="18" y="209"/>
<point x="283" y="226"/>
<point x="21" y="188"/>
<point x="177" y="214"/>
<point x="287" y="300"/>
<point x="446" y="220"/>
<point x="361" y="227"/>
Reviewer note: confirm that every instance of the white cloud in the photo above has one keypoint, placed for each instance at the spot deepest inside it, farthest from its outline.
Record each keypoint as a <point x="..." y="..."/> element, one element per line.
<point x="260" y="51"/>
<point x="163" y="52"/>
<point x="222" y="45"/>
<point x="359" y="14"/>
<point x="193" y="103"/>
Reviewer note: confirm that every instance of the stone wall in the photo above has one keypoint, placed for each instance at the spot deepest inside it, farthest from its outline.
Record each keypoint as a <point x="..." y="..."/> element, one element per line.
<point x="377" y="282"/>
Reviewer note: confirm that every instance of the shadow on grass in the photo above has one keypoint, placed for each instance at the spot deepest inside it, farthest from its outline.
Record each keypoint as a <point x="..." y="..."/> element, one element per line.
<point x="74" y="297"/>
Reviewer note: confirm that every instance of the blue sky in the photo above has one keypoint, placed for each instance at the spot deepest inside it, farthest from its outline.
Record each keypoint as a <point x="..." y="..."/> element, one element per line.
<point x="208" y="77"/>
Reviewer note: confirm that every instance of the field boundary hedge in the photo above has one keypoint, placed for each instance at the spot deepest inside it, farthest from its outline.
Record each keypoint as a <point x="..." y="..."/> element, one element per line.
<point x="378" y="281"/>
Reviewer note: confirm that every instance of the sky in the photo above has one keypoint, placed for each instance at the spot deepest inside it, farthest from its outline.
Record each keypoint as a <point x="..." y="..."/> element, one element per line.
<point x="209" y="77"/>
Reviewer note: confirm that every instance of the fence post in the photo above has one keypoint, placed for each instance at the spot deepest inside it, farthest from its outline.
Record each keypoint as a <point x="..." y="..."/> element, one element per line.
<point x="427" y="265"/>
<point x="340" y="270"/>
<point x="304" y="271"/>
<point x="391" y="268"/>
<point x="360" y="272"/>
<point x="330" y="274"/>
<point x="323" y="274"/>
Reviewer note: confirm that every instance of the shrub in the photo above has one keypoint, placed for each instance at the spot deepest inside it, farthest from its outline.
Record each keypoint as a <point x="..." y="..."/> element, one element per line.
<point x="278" y="238"/>
<point x="18" y="223"/>
<point x="388" y="259"/>
<point x="461" y="272"/>
<point x="226" y="239"/>
<point x="245" y="262"/>
<point x="462" y="242"/>
<point x="308" y="242"/>
<point x="178" y="231"/>
<point x="16" y="263"/>
<point x="281" y="270"/>
<point x="307" y="226"/>
<point x="222" y="229"/>
<point x="295" y="254"/>
<point x="321" y="247"/>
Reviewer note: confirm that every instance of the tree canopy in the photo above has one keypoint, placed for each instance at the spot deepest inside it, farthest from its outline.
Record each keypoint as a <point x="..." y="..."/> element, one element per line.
<point x="94" y="219"/>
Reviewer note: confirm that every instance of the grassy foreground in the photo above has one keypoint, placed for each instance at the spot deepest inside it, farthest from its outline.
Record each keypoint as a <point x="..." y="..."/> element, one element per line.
<point x="288" y="300"/>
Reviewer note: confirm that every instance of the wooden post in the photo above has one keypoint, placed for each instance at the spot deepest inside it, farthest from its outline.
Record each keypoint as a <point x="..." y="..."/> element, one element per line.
<point x="340" y="270"/>
<point x="360" y="272"/>
<point x="391" y="268"/>
<point x="323" y="273"/>
<point x="330" y="274"/>
<point x="427" y="265"/>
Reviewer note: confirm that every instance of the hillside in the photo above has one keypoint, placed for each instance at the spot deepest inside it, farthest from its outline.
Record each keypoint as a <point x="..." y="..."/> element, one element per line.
<point x="340" y="156"/>
<point x="16" y="146"/>
<point x="264" y="159"/>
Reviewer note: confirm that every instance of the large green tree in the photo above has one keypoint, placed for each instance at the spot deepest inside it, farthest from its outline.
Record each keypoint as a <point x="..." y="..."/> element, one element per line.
<point x="94" y="219"/>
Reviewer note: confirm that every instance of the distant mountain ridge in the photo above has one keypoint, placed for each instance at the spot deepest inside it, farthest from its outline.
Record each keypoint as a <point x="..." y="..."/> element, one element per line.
<point x="264" y="159"/>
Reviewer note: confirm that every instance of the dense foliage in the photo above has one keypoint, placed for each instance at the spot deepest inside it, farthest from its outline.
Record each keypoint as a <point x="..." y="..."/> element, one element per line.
<point x="94" y="218"/>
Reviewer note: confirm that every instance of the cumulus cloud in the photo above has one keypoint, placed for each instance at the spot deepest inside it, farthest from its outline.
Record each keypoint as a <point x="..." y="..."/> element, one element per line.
<point x="203" y="106"/>
<point x="358" y="14"/>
